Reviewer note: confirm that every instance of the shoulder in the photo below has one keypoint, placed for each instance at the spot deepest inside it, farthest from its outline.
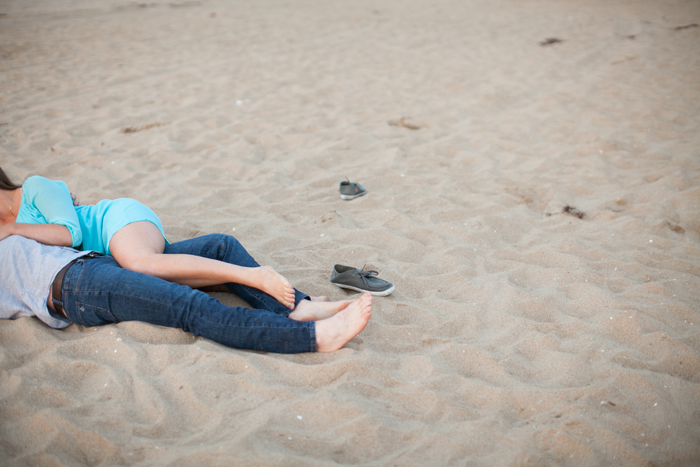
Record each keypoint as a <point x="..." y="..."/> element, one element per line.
<point x="35" y="180"/>
<point x="37" y="184"/>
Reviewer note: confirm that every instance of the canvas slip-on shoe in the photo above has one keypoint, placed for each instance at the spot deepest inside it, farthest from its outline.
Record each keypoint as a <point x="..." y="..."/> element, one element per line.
<point x="351" y="190"/>
<point x="351" y="278"/>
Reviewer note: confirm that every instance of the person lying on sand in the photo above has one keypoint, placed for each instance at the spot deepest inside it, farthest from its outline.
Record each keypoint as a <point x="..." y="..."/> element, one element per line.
<point x="43" y="210"/>
<point x="60" y="286"/>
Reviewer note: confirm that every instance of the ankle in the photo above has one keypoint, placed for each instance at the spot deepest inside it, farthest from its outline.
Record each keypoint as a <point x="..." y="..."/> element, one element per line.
<point x="322" y="336"/>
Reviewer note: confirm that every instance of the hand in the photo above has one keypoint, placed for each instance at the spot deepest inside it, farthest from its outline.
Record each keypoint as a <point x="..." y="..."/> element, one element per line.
<point x="76" y="201"/>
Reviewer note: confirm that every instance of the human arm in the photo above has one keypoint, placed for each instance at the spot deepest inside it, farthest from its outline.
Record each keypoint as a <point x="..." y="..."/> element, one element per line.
<point x="51" y="203"/>
<point x="48" y="234"/>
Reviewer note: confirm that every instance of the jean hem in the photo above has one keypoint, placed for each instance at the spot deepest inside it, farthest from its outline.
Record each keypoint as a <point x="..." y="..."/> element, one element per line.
<point x="312" y="333"/>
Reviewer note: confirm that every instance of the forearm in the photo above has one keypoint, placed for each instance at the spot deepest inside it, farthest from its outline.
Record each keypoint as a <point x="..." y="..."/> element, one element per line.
<point x="48" y="234"/>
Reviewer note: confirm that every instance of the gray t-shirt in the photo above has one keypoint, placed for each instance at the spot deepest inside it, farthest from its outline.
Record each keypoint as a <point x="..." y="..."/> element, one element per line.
<point x="27" y="270"/>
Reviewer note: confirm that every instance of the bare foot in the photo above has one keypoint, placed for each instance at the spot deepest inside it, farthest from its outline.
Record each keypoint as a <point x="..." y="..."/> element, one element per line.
<point x="333" y="333"/>
<point x="307" y="310"/>
<point x="320" y="298"/>
<point x="275" y="285"/>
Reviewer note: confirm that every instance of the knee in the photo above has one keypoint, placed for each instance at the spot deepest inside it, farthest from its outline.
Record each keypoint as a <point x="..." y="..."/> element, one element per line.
<point x="220" y="238"/>
<point x="216" y="246"/>
<point x="224" y="243"/>
<point x="217" y="239"/>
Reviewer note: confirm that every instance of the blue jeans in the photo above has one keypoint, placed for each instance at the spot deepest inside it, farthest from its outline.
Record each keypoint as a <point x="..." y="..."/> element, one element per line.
<point x="97" y="291"/>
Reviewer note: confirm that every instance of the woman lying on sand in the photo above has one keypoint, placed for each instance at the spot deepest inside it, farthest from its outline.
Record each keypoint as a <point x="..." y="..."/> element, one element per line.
<point x="43" y="210"/>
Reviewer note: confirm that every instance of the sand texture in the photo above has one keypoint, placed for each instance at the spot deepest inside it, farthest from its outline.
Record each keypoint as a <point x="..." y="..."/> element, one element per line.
<point x="518" y="334"/>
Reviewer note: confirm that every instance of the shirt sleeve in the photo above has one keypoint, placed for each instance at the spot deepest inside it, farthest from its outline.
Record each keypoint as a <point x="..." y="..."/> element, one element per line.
<point x="53" y="200"/>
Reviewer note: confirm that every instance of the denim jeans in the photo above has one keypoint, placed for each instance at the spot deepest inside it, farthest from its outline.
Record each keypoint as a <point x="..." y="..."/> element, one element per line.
<point x="97" y="291"/>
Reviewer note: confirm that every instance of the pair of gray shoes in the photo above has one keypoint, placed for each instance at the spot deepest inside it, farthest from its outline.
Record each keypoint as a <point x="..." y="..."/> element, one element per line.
<point x="351" y="278"/>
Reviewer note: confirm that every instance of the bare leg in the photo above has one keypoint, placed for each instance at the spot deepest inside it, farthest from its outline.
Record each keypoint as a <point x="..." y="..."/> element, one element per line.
<point x="139" y="247"/>
<point x="320" y="298"/>
<point x="333" y="333"/>
<point x="308" y="310"/>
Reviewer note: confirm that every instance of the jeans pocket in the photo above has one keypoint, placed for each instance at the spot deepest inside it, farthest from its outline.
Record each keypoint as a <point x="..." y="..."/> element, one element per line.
<point x="90" y="315"/>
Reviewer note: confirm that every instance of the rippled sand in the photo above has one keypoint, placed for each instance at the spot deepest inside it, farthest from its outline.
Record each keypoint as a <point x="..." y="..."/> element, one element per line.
<point x="518" y="334"/>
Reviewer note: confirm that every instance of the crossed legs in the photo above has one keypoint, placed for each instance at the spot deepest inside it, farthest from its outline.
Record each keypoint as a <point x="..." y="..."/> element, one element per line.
<point x="220" y="260"/>
<point x="139" y="247"/>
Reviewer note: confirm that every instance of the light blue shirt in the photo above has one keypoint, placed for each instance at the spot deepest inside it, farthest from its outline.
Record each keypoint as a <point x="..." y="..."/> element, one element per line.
<point x="92" y="226"/>
<point x="27" y="270"/>
<point x="46" y="201"/>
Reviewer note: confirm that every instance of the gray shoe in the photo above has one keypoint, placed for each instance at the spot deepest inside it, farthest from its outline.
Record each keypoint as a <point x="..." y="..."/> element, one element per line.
<point x="351" y="190"/>
<point x="351" y="278"/>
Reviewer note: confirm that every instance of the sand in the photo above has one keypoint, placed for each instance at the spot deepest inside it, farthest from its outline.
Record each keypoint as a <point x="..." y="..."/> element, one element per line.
<point x="518" y="334"/>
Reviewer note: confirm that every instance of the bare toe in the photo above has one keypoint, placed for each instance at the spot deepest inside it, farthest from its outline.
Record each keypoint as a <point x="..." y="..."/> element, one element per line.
<point x="276" y="285"/>
<point x="333" y="333"/>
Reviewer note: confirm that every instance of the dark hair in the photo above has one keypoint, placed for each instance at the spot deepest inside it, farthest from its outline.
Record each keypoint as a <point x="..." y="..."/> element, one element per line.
<point x="6" y="183"/>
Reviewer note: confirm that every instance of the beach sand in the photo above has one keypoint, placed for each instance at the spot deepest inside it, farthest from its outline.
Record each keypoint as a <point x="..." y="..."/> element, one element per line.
<point x="518" y="334"/>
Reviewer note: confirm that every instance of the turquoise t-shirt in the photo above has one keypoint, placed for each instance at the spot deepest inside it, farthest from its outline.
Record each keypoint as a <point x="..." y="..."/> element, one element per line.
<point x="91" y="227"/>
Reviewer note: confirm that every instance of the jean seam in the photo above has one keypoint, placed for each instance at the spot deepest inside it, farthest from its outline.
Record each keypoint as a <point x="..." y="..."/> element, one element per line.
<point x="309" y="328"/>
<point x="80" y="275"/>
<point x="312" y="333"/>
<point x="208" y="321"/>
<point x="66" y="290"/>
<point x="144" y="298"/>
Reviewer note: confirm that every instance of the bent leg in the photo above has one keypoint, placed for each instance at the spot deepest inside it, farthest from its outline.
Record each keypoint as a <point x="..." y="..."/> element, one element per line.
<point x="140" y="246"/>
<point x="97" y="291"/>
<point x="227" y="249"/>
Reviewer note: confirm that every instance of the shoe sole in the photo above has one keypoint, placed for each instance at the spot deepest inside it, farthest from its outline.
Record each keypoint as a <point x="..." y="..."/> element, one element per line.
<point x="382" y="293"/>
<point x="352" y="196"/>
